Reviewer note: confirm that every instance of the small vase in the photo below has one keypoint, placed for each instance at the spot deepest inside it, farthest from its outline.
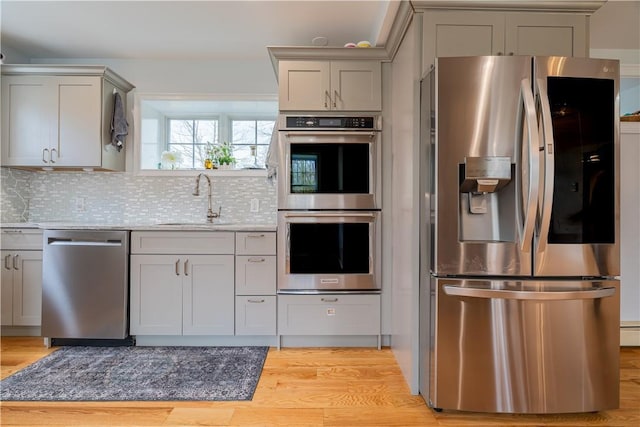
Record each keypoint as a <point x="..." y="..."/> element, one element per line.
<point x="208" y="164"/>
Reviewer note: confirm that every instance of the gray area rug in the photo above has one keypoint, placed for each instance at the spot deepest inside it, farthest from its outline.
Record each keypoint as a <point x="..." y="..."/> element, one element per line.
<point x="139" y="373"/>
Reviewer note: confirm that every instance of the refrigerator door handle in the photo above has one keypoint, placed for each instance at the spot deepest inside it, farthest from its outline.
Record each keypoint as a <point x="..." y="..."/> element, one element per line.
<point x="530" y="169"/>
<point x="548" y="147"/>
<point x="593" y="293"/>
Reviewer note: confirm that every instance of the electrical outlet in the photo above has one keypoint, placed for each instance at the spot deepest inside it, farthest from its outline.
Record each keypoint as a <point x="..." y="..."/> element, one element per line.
<point x="255" y="205"/>
<point x="81" y="204"/>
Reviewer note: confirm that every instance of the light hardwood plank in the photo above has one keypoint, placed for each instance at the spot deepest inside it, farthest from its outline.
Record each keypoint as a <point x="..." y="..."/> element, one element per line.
<point x="306" y="387"/>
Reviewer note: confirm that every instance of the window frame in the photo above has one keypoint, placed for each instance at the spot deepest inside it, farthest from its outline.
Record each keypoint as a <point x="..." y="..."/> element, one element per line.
<point x="224" y="128"/>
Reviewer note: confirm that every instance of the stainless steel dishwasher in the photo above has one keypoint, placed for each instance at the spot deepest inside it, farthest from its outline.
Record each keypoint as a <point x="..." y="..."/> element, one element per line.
<point x="85" y="287"/>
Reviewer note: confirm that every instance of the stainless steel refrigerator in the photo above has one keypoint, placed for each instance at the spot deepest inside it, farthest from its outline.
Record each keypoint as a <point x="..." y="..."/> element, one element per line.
<point x="519" y="292"/>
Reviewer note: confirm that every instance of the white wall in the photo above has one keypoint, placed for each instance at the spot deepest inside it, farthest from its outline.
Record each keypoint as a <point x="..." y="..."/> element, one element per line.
<point x="196" y="76"/>
<point x="404" y="118"/>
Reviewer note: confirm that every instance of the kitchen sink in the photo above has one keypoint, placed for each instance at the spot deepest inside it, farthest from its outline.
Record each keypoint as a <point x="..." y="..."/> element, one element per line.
<point x="199" y="224"/>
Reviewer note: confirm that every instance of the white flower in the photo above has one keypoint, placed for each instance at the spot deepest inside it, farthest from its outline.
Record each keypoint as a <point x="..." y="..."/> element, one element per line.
<point x="171" y="157"/>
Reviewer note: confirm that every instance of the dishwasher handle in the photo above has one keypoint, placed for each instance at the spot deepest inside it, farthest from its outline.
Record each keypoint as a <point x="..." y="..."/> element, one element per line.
<point x="58" y="241"/>
<point x="592" y="293"/>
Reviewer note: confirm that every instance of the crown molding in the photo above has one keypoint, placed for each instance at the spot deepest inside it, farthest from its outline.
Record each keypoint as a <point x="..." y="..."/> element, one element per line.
<point x="586" y="7"/>
<point x="401" y="22"/>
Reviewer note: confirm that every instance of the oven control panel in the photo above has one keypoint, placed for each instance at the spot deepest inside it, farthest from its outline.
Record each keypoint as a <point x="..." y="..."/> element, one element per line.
<point x="330" y="122"/>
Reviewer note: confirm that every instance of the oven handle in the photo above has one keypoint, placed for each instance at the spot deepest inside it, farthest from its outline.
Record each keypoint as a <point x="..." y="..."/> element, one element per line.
<point x="329" y="215"/>
<point x="301" y="136"/>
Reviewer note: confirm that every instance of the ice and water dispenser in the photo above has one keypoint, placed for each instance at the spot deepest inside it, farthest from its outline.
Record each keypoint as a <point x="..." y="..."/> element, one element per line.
<point x="487" y="199"/>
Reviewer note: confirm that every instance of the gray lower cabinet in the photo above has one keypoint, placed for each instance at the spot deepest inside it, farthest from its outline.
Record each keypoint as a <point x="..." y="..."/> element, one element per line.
<point x="182" y="283"/>
<point x="255" y="281"/>
<point x="329" y="314"/>
<point x="21" y="291"/>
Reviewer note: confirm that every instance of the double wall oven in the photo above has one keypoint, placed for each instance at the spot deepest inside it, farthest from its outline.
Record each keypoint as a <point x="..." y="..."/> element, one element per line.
<point x="329" y="200"/>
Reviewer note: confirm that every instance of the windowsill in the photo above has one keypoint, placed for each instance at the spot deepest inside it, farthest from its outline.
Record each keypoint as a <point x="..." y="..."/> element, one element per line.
<point x="237" y="173"/>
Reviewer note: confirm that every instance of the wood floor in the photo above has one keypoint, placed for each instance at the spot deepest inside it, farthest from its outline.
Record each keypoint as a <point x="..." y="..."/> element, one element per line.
<point x="300" y="387"/>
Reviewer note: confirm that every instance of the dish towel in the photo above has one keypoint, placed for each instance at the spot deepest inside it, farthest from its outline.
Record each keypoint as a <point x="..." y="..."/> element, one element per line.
<point x="119" y="125"/>
<point x="272" y="155"/>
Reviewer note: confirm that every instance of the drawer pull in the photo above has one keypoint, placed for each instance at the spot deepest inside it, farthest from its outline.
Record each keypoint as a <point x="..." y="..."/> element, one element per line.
<point x="256" y="259"/>
<point x="255" y="301"/>
<point x="255" y="236"/>
<point x="329" y="299"/>
<point x="12" y="231"/>
<point x="178" y="267"/>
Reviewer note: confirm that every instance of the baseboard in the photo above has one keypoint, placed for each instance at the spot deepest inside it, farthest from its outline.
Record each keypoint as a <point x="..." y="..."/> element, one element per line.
<point x="630" y="334"/>
<point x="20" y="331"/>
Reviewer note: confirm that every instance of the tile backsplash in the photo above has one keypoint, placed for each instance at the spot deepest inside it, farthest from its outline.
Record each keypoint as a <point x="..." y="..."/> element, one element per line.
<point x="121" y="198"/>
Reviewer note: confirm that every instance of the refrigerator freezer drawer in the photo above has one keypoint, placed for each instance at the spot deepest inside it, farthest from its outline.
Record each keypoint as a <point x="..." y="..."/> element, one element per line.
<point x="526" y="346"/>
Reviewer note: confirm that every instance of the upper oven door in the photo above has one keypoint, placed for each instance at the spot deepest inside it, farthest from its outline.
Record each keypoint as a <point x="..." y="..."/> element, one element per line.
<point x="329" y="170"/>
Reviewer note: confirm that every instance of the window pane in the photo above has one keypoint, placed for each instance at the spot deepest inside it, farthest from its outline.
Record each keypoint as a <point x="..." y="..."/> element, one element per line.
<point x="251" y="139"/>
<point x="188" y="138"/>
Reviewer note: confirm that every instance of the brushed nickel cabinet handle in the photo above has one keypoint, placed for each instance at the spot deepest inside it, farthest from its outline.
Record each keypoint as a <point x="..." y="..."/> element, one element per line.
<point x="329" y="299"/>
<point x="256" y="259"/>
<point x="51" y="155"/>
<point x="255" y="301"/>
<point x="177" y="267"/>
<point x="255" y="236"/>
<point x="45" y="152"/>
<point x="16" y="262"/>
<point x="326" y="95"/>
<point x="186" y="267"/>
<point x="335" y="98"/>
<point x="7" y="266"/>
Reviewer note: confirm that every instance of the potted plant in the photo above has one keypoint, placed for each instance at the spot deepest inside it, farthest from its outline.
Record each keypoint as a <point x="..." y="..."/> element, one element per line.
<point x="223" y="155"/>
<point x="210" y="156"/>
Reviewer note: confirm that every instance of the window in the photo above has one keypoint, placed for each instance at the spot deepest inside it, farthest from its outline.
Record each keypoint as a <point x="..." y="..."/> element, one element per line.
<point x="176" y="130"/>
<point x="250" y="139"/>
<point x="189" y="139"/>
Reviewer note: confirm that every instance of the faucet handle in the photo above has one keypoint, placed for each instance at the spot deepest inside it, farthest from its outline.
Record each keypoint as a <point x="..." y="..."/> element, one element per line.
<point x="211" y="214"/>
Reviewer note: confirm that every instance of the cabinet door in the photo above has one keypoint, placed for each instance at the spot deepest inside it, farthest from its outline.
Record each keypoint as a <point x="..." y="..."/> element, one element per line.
<point x="255" y="275"/>
<point x="6" y="290"/>
<point x="255" y="243"/>
<point x="304" y="85"/>
<point x="28" y="115"/>
<point x="461" y="34"/>
<point x="79" y="139"/>
<point x="256" y="315"/>
<point x="546" y="34"/>
<point x="356" y="86"/>
<point x="208" y="298"/>
<point x="27" y="288"/>
<point x="156" y="295"/>
<point x="329" y="314"/>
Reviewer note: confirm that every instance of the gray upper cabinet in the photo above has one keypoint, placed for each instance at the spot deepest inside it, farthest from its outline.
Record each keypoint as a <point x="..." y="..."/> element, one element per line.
<point x="60" y="117"/>
<point x="471" y="33"/>
<point x="348" y="85"/>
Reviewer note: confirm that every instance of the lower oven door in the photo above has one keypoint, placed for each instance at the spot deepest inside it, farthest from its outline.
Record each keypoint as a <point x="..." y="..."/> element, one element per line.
<point x="328" y="251"/>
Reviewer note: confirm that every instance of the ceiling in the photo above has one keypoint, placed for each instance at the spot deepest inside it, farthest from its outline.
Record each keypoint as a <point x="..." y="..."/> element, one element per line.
<point x="185" y="29"/>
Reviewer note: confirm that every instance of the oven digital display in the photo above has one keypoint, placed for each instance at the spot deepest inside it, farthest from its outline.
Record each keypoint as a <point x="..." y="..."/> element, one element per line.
<point x="311" y="122"/>
<point x="330" y="122"/>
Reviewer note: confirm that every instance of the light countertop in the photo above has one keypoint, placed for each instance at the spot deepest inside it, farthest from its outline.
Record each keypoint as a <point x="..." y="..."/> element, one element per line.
<point x="160" y="226"/>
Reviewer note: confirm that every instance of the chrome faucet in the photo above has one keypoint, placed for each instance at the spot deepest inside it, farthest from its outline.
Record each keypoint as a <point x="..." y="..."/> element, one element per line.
<point x="211" y="215"/>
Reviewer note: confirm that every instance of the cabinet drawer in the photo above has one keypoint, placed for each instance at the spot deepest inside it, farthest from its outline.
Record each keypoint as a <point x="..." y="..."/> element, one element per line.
<point x="329" y="314"/>
<point x="182" y="242"/>
<point x="22" y="239"/>
<point x="255" y="275"/>
<point x="256" y="315"/>
<point x="256" y="243"/>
